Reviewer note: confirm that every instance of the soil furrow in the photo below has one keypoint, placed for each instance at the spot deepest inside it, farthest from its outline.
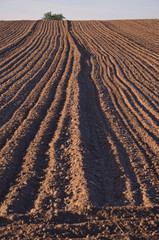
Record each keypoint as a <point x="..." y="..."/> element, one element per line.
<point x="28" y="129"/>
<point x="79" y="117"/>
<point x="13" y="31"/>
<point x="22" y="112"/>
<point x="15" y="44"/>
<point x="114" y="50"/>
<point x="135" y="89"/>
<point x="24" y="91"/>
<point x="12" y="63"/>
<point x="144" y="153"/>
<point x="112" y="79"/>
<point x="133" y="31"/>
<point x="21" y="76"/>
<point x="33" y="173"/>
<point x="129" y="46"/>
<point x="105" y="37"/>
<point x="103" y="154"/>
<point x="140" y="140"/>
<point x="63" y="185"/>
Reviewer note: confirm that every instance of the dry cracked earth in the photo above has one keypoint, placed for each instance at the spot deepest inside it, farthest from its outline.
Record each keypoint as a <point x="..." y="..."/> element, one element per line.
<point x="79" y="129"/>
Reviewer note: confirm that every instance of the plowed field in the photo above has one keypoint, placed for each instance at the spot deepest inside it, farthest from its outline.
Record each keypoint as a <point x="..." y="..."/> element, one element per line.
<point x="79" y="129"/>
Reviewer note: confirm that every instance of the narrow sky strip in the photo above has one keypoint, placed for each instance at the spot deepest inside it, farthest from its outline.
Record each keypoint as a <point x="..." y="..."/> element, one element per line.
<point x="80" y="9"/>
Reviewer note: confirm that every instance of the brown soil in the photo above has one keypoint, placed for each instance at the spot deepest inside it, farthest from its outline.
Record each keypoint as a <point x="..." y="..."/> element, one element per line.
<point x="79" y="114"/>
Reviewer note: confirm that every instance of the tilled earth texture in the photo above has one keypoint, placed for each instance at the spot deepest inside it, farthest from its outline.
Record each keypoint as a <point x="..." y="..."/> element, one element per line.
<point x="79" y="129"/>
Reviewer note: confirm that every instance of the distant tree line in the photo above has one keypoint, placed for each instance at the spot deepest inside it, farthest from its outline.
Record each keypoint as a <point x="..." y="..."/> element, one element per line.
<point x="50" y="16"/>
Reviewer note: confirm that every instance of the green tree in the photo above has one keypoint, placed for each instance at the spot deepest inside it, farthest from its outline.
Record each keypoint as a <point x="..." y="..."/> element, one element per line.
<point x="49" y="16"/>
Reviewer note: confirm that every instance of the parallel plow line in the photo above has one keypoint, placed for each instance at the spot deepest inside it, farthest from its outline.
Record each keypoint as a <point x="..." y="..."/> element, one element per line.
<point x="78" y="120"/>
<point x="134" y="31"/>
<point x="22" y="37"/>
<point x="38" y="101"/>
<point x="19" y="75"/>
<point x="110" y="147"/>
<point x="137" y="138"/>
<point x="13" y="62"/>
<point x="10" y="31"/>
<point x="24" y="90"/>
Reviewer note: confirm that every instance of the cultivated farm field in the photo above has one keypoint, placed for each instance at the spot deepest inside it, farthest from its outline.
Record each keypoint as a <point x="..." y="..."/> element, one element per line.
<point x="79" y="129"/>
